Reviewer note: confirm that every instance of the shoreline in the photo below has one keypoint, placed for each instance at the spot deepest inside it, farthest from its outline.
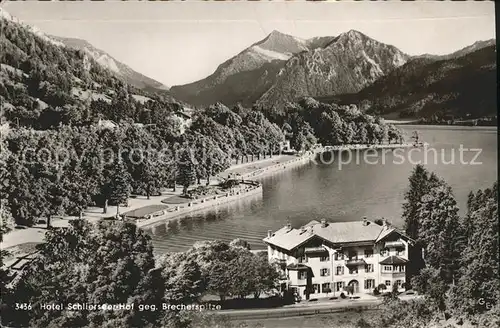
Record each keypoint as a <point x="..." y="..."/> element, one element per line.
<point x="36" y="234"/>
<point x="213" y="201"/>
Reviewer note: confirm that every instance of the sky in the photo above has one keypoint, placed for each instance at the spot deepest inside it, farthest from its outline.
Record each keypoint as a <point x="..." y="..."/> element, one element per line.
<point x="181" y="42"/>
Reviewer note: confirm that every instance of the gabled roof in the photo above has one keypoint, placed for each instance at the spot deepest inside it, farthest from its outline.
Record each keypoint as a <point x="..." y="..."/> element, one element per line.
<point x="335" y="233"/>
<point x="384" y="234"/>
<point x="394" y="260"/>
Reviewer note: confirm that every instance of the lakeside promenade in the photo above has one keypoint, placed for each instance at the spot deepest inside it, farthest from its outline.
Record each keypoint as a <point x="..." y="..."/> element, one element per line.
<point x="33" y="235"/>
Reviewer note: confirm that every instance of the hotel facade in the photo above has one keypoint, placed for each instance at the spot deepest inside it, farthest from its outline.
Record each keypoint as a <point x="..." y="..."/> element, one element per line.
<point x="324" y="259"/>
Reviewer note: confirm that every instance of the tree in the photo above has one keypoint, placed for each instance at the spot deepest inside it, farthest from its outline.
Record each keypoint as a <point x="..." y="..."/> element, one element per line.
<point x="421" y="182"/>
<point x="479" y="260"/>
<point x="242" y="269"/>
<point x="104" y="263"/>
<point x="266" y="275"/>
<point x="119" y="187"/>
<point x="440" y="232"/>
<point x="183" y="278"/>
<point x="220" y="279"/>
<point x="186" y="169"/>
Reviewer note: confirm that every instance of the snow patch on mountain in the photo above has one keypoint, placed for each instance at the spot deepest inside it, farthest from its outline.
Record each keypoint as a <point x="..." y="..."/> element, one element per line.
<point x="270" y="54"/>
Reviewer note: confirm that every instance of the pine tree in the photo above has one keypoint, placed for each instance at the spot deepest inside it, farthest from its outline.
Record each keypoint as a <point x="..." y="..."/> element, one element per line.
<point x="479" y="261"/>
<point x="186" y="170"/>
<point x="421" y="182"/>
<point x="440" y="231"/>
<point x="119" y="188"/>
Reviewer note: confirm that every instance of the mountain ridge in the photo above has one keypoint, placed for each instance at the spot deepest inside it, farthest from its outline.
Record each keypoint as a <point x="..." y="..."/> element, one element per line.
<point x="460" y="85"/>
<point x="130" y="76"/>
<point x="271" y="56"/>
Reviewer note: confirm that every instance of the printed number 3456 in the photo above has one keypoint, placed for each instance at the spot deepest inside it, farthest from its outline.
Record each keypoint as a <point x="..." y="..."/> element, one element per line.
<point x="23" y="306"/>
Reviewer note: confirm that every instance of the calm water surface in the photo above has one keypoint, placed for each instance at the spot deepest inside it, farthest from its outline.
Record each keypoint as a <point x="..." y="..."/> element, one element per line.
<point x="317" y="191"/>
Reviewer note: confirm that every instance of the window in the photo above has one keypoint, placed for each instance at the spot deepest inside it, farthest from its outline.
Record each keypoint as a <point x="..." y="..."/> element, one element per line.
<point x="398" y="283"/>
<point x="384" y="251"/>
<point x="303" y="259"/>
<point x="339" y="256"/>
<point x="324" y="259"/>
<point x="369" y="283"/>
<point x="353" y="270"/>
<point x="339" y="270"/>
<point x="387" y="283"/>
<point x="302" y="275"/>
<point x="353" y="256"/>
<point x="368" y="267"/>
<point x="324" y="272"/>
<point x="325" y="288"/>
<point x="315" y="288"/>
<point x="368" y="252"/>
<point x="400" y="251"/>
<point x="339" y="286"/>
<point x="387" y="268"/>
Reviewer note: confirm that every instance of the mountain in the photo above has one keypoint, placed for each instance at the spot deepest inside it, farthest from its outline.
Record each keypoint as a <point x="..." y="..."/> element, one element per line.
<point x="348" y="63"/>
<point x="462" y="52"/>
<point x="128" y="74"/>
<point x="459" y="85"/>
<point x="282" y="68"/>
<point x="254" y="70"/>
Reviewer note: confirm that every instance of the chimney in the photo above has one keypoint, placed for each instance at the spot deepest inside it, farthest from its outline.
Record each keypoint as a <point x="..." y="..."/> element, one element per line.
<point x="289" y="226"/>
<point x="365" y="221"/>
<point x="302" y="229"/>
<point x="323" y="223"/>
<point x="269" y="233"/>
<point x="385" y="224"/>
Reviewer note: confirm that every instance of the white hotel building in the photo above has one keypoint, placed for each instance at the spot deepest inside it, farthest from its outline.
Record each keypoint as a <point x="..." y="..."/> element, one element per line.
<point x="320" y="259"/>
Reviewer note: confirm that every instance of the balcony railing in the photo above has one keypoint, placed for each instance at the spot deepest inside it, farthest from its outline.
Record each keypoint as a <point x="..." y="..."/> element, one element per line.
<point x="396" y="244"/>
<point x="315" y="249"/>
<point x="355" y="262"/>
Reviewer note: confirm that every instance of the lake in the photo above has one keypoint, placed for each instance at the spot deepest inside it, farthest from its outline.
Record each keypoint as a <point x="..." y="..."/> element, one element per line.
<point x="370" y="185"/>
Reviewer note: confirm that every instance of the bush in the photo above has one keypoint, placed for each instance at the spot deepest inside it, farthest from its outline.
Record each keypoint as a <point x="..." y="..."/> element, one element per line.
<point x="342" y="295"/>
<point x="376" y="292"/>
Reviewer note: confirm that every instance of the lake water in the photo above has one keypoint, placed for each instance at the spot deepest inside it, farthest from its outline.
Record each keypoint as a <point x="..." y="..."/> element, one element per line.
<point x="373" y="188"/>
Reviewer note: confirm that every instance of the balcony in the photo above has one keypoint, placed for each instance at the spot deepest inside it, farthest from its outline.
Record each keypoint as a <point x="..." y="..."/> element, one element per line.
<point x="354" y="262"/>
<point x="319" y="249"/>
<point x="395" y="244"/>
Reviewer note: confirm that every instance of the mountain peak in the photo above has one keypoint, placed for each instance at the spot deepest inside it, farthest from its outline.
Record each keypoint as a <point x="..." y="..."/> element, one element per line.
<point x="352" y="34"/>
<point x="282" y="43"/>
